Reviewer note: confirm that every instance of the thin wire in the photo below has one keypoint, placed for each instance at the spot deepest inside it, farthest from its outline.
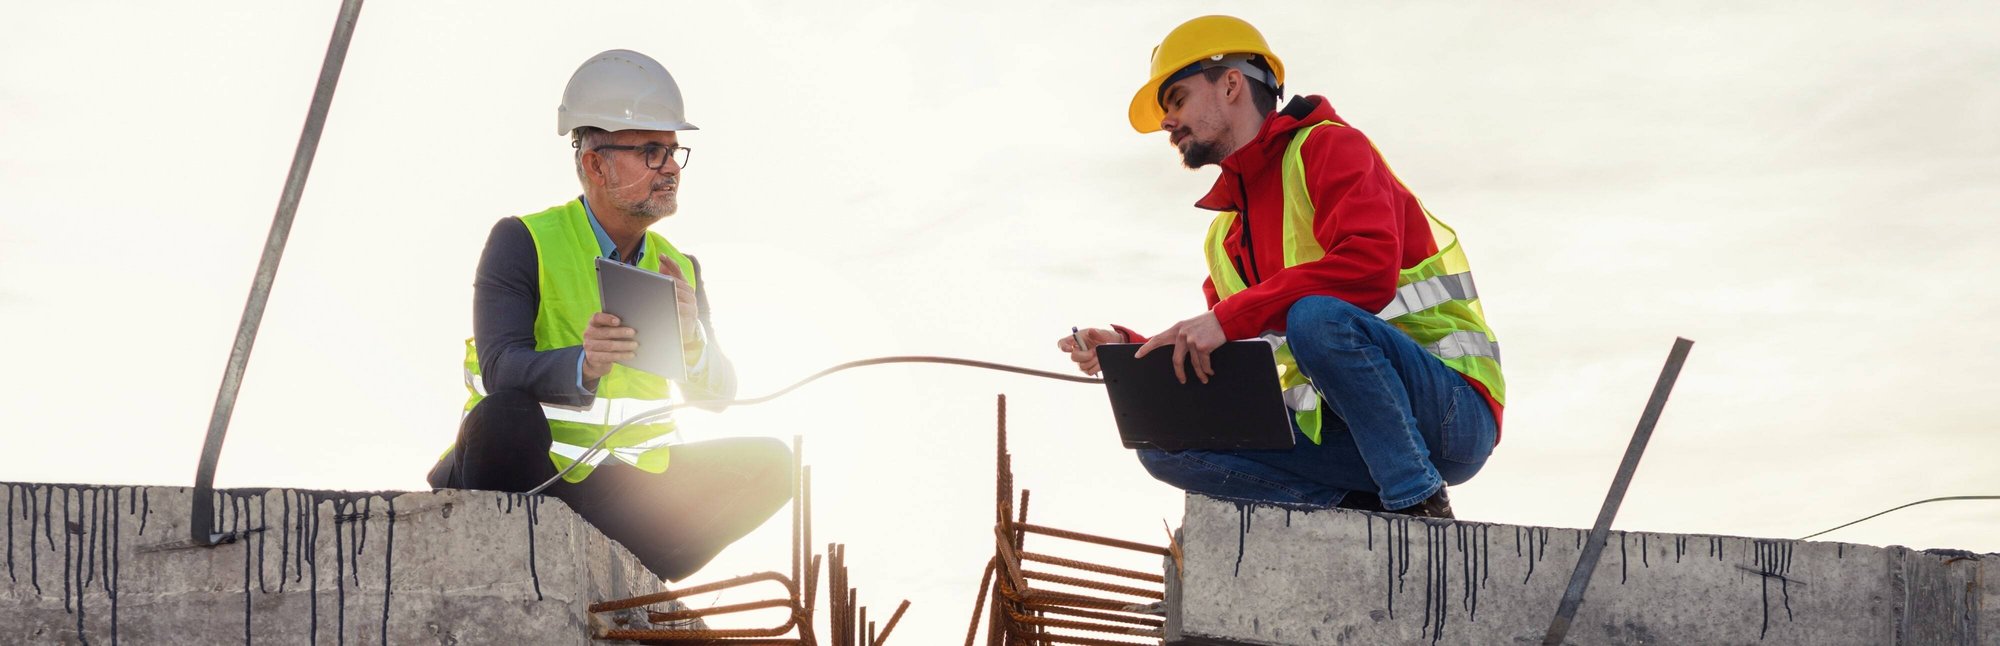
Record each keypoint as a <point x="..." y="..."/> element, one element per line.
<point x="664" y="411"/>
<point x="1872" y="516"/>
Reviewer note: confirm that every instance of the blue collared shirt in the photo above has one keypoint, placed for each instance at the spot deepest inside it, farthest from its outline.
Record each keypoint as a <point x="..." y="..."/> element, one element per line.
<point x="604" y="243"/>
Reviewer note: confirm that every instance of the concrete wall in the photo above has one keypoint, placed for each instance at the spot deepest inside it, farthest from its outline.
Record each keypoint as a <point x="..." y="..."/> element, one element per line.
<point x="96" y="564"/>
<point x="1268" y="575"/>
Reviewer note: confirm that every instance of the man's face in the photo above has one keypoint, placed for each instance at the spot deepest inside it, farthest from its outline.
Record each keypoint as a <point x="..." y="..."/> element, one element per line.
<point x="629" y="183"/>
<point x="1194" y="120"/>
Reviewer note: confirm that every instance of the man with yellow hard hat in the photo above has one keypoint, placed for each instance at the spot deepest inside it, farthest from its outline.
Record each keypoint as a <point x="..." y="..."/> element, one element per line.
<point x="1388" y="366"/>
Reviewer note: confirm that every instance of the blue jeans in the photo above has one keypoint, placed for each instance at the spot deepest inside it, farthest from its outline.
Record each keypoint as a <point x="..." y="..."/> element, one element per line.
<point x="1398" y="422"/>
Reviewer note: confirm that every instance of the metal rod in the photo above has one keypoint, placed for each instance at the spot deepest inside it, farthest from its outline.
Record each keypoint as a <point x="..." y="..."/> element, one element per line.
<point x="201" y="529"/>
<point x="1593" y="549"/>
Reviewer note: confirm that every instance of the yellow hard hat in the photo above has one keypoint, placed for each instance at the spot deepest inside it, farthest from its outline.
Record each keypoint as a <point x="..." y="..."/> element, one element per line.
<point x="1201" y="42"/>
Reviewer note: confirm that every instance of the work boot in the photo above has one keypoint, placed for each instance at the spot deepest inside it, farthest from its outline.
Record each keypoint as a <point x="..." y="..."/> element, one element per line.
<point x="1436" y="506"/>
<point x="1360" y="501"/>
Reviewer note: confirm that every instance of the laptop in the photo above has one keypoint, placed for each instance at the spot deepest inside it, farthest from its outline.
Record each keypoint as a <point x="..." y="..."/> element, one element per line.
<point x="1240" y="408"/>
<point x="644" y="301"/>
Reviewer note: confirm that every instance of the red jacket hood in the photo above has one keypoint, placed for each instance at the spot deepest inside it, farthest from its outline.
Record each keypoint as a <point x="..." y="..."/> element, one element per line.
<point x="1266" y="149"/>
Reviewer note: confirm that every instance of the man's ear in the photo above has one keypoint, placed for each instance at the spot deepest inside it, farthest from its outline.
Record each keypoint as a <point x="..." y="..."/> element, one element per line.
<point x="593" y="167"/>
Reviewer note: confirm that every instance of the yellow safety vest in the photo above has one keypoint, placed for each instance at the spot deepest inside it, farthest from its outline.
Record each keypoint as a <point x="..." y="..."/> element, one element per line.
<point x="565" y="249"/>
<point x="1435" y="303"/>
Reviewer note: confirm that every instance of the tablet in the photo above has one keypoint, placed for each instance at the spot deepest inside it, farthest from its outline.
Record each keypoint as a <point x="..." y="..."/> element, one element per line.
<point x="644" y="301"/>
<point x="1241" y="407"/>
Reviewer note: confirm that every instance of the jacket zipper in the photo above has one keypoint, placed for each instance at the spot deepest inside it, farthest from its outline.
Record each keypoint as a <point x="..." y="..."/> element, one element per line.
<point x="1248" y="244"/>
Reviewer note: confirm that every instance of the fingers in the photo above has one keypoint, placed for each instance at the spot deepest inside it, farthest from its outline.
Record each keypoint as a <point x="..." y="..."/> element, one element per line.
<point x="603" y="319"/>
<point x="1067" y="344"/>
<point x="626" y="347"/>
<point x="1202" y="369"/>
<point x="1180" y="356"/>
<point x="1088" y="367"/>
<point x="608" y="333"/>
<point x="671" y="268"/>
<point x="1163" y="339"/>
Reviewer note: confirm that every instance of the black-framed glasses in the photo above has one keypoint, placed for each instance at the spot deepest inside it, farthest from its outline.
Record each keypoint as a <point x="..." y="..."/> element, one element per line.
<point x="655" y="155"/>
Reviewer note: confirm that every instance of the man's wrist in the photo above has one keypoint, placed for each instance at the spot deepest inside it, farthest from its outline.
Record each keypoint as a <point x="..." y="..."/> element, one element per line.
<point x="584" y="382"/>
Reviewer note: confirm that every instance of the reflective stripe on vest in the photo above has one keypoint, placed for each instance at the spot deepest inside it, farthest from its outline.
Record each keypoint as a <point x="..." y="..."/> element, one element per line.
<point x="600" y="409"/>
<point x="565" y="249"/>
<point x="1464" y="343"/>
<point x="1436" y="303"/>
<point x="1429" y="293"/>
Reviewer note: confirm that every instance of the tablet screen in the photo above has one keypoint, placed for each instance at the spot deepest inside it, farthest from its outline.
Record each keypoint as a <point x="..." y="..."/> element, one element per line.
<point x="644" y="301"/>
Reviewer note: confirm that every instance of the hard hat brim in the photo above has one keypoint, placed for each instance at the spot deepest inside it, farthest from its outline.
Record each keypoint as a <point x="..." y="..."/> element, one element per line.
<point x="566" y="123"/>
<point x="1145" y="111"/>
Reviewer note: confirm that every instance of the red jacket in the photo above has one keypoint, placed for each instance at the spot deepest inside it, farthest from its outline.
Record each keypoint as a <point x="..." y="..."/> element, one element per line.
<point x="1370" y="225"/>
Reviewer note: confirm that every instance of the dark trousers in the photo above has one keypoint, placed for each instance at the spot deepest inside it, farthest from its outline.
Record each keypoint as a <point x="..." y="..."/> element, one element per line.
<point x="711" y="494"/>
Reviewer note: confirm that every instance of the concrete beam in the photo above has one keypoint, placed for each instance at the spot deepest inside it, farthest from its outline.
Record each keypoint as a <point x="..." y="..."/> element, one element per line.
<point x="103" y="565"/>
<point x="1265" y="575"/>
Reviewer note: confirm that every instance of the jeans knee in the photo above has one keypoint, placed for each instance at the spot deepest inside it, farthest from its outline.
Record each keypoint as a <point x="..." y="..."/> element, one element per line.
<point x="1310" y="322"/>
<point x="1312" y="310"/>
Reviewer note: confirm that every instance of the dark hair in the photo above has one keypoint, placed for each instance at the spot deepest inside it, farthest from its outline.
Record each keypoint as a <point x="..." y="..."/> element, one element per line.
<point x="1261" y="95"/>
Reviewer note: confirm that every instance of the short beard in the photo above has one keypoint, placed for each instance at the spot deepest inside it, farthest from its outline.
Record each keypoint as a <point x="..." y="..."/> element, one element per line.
<point x="655" y="205"/>
<point x="1201" y="153"/>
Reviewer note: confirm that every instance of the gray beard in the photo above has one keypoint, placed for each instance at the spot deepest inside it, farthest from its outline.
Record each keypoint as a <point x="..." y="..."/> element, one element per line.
<point x="654" y="207"/>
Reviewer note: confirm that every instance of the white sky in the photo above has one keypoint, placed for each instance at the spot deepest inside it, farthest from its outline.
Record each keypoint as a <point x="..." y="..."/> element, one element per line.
<point x="1807" y="192"/>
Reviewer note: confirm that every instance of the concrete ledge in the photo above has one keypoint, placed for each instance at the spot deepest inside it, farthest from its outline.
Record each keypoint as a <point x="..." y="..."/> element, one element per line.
<point x="1267" y="575"/>
<point x="101" y="565"/>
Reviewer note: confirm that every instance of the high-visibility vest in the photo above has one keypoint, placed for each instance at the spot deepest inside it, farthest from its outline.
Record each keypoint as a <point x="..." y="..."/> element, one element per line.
<point x="565" y="249"/>
<point x="1435" y="303"/>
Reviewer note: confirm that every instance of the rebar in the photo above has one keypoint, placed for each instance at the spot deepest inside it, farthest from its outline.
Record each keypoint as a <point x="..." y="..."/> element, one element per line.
<point x="847" y="619"/>
<point x="1018" y="614"/>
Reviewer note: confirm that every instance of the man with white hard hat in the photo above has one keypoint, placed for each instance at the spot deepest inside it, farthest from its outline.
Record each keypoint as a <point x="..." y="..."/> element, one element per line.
<point x="544" y="364"/>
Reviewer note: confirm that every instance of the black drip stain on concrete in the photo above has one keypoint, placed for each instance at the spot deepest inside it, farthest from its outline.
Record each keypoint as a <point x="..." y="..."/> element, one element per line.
<point x="1680" y="547"/>
<point x="1624" y="559"/>
<point x="1243" y="512"/>
<point x="299" y="525"/>
<point x="1535" y="536"/>
<point x="532" y="505"/>
<point x="1472" y="543"/>
<point x="90" y="519"/>
<point x="388" y="566"/>
<point x="1774" y="561"/>
<point x="1437" y="580"/>
<point x="1392" y="575"/>
<point x="1472" y="560"/>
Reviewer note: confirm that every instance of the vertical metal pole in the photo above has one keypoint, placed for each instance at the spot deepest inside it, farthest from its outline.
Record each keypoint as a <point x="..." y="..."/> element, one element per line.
<point x="1586" y="563"/>
<point x="201" y="529"/>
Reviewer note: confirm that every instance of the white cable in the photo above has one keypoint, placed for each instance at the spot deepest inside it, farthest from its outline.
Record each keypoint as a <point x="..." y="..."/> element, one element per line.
<point x="663" y="411"/>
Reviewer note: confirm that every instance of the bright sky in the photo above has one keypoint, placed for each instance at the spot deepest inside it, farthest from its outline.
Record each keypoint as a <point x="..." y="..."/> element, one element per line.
<point x="1806" y="192"/>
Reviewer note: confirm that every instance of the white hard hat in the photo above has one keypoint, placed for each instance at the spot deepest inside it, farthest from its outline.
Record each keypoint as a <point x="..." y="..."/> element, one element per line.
<point x="621" y="90"/>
